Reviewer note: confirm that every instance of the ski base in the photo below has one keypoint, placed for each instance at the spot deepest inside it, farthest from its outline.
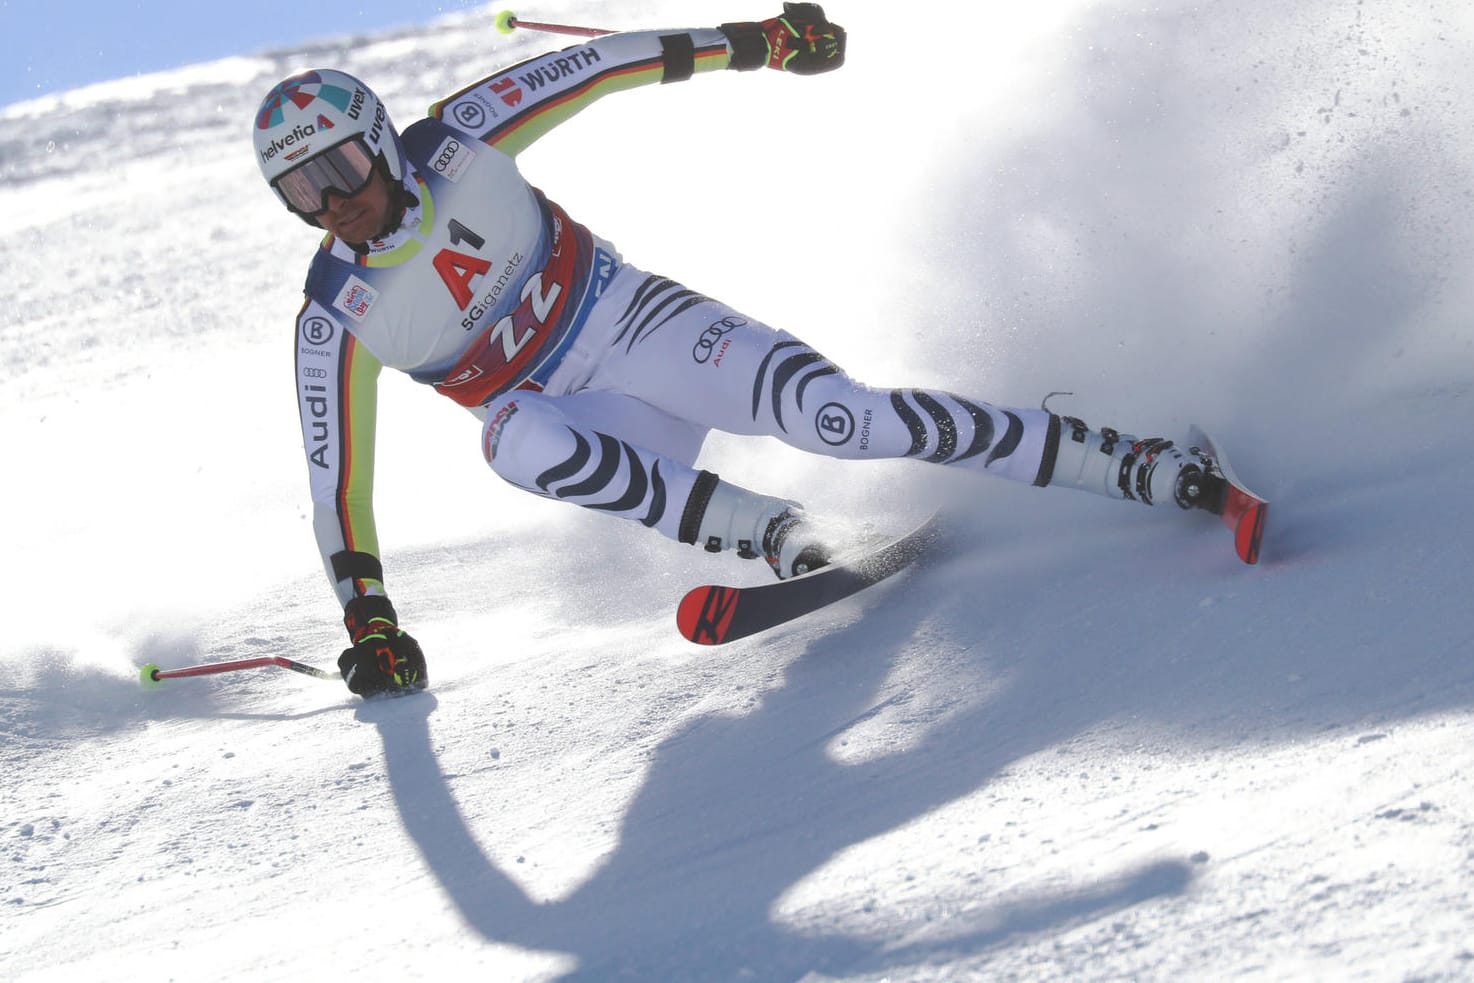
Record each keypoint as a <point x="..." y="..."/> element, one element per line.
<point x="1242" y="511"/>
<point x="714" y="615"/>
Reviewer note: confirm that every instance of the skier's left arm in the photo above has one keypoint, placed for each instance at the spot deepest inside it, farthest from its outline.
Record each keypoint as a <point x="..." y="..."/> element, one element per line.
<point x="513" y="108"/>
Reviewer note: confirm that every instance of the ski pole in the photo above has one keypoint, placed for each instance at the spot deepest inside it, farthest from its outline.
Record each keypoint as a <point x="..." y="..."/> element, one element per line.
<point x="507" y="22"/>
<point x="151" y="675"/>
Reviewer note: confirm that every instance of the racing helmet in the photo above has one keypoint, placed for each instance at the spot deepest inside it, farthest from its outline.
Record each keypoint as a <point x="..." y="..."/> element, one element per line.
<point x="319" y="131"/>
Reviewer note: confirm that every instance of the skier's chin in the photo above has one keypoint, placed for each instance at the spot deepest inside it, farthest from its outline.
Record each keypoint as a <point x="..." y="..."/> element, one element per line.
<point x="358" y="227"/>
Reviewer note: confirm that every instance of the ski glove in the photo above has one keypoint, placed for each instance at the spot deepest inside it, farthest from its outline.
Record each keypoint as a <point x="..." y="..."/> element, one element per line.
<point x="802" y="41"/>
<point x="383" y="659"/>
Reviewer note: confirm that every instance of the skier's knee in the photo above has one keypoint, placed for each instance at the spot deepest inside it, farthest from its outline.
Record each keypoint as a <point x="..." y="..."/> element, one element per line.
<point x="493" y="430"/>
<point x="516" y="427"/>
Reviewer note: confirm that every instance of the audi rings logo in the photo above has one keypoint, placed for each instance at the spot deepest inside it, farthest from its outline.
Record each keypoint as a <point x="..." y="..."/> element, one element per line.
<point x="469" y="115"/>
<point x="317" y="330"/>
<point x="313" y="373"/>
<point x="706" y="345"/>
<point x="448" y="153"/>
<point x="835" y="424"/>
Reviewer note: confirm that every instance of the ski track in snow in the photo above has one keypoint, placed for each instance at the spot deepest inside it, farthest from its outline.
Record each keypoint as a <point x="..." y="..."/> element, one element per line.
<point x="1082" y="743"/>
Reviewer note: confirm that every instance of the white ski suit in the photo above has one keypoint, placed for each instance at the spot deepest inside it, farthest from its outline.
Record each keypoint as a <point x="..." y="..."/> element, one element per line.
<point x="597" y="382"/>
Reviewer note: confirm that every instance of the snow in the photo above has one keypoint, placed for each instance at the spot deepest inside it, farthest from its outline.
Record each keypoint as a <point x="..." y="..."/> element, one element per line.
<point x="1084" y="742"/>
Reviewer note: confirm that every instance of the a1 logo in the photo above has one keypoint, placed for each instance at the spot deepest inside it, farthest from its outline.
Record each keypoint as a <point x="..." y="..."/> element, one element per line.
<point x="457" y="270"/>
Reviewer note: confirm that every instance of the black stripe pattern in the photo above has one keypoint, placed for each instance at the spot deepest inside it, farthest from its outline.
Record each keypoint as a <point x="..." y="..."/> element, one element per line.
<point x="788" y="366"/>
<point x="934" y="420"/>
<point x="656" y="301"/>
<point x="615" y="479"/>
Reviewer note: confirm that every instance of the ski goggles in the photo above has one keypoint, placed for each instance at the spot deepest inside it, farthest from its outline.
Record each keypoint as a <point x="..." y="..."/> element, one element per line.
<point x="344" y="169"/>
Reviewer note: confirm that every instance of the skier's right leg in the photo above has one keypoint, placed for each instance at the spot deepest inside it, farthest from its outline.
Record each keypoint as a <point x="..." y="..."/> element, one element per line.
<point x="615" y="454"/>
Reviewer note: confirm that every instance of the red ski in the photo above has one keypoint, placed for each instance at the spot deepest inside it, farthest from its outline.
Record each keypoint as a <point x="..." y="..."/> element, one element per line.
<point x="1241" y="510"/>
<point x="715" y="615"/>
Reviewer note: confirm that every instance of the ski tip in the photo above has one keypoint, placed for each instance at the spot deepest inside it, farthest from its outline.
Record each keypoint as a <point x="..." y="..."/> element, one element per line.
<point x="1244" y="512"/>
<point x="705" y="614"/>
<point x="1248" y="531"/>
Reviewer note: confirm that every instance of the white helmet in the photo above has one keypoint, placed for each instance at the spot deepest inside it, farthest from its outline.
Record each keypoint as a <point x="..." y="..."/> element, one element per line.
<point x="322" y="131"/>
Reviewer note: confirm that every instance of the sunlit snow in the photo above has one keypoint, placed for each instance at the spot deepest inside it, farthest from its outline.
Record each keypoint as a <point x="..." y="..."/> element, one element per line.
<point x="1083" y="742"/>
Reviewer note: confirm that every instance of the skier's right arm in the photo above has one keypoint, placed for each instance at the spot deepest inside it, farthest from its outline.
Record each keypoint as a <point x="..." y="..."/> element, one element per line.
<point x="337" y="397"/>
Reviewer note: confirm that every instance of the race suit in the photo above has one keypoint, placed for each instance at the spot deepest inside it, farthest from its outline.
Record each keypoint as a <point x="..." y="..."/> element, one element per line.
<point x="596" y="382"/>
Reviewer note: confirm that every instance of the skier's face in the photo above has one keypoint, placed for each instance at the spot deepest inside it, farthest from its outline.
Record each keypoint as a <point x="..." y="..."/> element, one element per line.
<point x="358" y="218"/>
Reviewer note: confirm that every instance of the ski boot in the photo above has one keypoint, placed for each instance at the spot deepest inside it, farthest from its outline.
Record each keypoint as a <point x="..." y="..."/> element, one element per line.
<point x="724" y="516"/>
<point x="1150" y="471"/>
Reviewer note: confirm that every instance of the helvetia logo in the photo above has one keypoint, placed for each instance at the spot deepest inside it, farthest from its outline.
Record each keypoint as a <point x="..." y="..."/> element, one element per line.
<point x="299" y="133"/>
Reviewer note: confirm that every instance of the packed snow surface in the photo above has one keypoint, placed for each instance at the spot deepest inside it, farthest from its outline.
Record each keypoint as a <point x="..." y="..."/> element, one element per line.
<point x="1080" y="742"/>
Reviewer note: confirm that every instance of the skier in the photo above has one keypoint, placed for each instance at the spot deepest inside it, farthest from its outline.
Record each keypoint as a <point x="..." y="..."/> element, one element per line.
<point x="596" y="381"/>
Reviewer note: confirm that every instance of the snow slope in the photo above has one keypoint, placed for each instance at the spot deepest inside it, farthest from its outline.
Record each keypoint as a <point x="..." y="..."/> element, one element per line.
<point x="1083" y="743"/>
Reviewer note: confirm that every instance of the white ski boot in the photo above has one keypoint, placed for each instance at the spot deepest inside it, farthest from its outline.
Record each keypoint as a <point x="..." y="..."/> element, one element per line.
<point x="1150" y="471"/>
<point x="728" y="517"/>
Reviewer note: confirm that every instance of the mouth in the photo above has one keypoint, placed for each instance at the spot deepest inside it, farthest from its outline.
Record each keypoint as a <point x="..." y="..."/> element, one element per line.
<point x="353" y="225"/>
<point x="349" y="217"/>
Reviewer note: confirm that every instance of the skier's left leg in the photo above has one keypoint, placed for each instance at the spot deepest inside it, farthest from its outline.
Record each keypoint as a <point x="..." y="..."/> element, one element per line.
<point x="700" y="360"/>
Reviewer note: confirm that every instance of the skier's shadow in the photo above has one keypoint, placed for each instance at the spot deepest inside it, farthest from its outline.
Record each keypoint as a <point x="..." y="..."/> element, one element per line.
<point x="667" y="905"/>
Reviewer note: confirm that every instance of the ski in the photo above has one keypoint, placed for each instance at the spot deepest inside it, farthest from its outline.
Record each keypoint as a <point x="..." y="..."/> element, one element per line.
<point x="1242" y="511"/>
<point x="714" y="615"/>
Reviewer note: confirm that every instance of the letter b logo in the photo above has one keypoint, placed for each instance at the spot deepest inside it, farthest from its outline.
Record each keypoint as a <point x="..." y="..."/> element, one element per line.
<point x="835" y="424"/>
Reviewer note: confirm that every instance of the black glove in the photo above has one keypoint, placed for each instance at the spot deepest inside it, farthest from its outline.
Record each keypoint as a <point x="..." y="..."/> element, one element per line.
<point x="383" y="659"/>
<point x="802" y="41"/>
